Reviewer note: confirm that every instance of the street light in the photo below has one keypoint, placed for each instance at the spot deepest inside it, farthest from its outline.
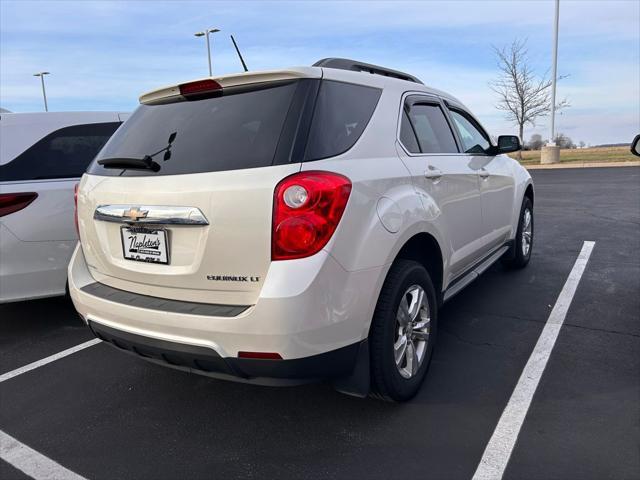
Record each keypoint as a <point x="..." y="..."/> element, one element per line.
<point x="551" y="152"/>
<point x="44" y="93"/>
<point x="206" y="34"/>
<point x="554" y="74"/>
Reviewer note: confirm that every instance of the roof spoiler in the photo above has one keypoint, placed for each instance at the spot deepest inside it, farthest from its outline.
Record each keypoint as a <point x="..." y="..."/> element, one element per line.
<point x="172" y="93"/>
<point x="355" y="66"/>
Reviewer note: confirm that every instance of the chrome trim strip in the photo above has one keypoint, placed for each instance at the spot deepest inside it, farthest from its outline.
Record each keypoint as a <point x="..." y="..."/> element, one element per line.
<point x="154" y="214"/>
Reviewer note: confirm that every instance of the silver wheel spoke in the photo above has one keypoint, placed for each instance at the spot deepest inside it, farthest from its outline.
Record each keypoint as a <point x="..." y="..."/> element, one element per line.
<point x="411" y="358"/>
<point x="421" y="335"/>
<point x="415" y="363"/>
<point x="417" y="296"/>
<point x="400" y="349"/>
<point x="403" y="315"/>
<point x="422" y="324"/>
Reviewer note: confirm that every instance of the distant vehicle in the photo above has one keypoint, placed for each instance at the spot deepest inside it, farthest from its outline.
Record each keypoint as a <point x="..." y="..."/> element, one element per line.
<point x="42" y="155"/>
<point x="288" y="226"/>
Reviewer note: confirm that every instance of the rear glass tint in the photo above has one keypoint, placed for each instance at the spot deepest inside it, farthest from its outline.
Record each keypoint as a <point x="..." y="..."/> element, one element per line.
<point x="230" y="132"/>
<point x="342" y="112"/>
<point x="65" y="153"/>
<point x="250" y="128"/>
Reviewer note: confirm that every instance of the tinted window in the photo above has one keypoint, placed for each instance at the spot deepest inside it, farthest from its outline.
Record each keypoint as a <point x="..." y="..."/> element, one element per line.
<point x="407" y="134"/>
<point x="229" y="132"/>
<point x="341" y="114"/>
<point x="432" y="129"/>
<point x="64" y="153"/>
<point x="473" y="140"/>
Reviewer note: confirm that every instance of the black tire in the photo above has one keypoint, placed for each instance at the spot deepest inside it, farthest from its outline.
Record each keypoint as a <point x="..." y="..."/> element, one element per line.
<point x="518" y="258"/>
<point x="387" y="383"/>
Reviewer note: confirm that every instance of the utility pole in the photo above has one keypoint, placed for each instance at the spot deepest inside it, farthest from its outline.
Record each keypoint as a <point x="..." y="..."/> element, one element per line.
<point x="206" y="33"/>
<point x="44" y="93"/>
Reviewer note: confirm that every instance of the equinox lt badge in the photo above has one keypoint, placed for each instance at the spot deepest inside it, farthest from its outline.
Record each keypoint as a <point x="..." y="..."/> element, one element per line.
<point x="232" y="278"/>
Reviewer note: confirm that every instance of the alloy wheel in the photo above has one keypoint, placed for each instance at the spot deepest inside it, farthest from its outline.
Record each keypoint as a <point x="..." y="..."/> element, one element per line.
<point x="413" y="326"/>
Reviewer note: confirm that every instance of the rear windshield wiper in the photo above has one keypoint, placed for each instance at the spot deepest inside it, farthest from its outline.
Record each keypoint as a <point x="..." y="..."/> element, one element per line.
<point x="144" y="163"/>
<point x="124" y="163"/>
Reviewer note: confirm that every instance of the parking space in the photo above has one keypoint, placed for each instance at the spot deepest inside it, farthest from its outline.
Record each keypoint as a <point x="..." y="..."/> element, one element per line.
<point x="102" y="414"/>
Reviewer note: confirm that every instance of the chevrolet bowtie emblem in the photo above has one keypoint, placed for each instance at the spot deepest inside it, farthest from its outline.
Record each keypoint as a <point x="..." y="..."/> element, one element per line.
<point x="135" y="214"/>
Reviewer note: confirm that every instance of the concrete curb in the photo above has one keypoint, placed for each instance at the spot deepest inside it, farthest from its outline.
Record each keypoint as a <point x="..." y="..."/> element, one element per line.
<point x="634" y="163"/>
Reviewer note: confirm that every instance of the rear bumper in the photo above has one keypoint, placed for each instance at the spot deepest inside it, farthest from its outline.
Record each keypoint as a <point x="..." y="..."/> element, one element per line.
<point x="205" y="361"/>
<point x="315" y="324"/>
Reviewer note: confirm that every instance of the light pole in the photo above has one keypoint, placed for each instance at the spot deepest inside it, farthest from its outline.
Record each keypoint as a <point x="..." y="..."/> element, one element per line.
<point x="551" y="152"/>
<point x="206" y="34"/>
<point x="554" y="73"/>
<point x="44" y="93"/>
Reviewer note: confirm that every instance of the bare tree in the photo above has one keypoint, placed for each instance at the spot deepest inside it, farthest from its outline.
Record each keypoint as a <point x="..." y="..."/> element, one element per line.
<point x="521" y="94"/>
<point x="563" y="141"/>
<point x="536" y="141"/>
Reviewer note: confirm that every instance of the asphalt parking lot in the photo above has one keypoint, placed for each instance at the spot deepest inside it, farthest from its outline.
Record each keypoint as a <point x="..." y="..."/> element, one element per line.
<point x="105" y="415"/>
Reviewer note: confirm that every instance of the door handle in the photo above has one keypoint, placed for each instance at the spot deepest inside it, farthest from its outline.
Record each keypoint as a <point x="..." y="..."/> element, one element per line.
<point x="433" y="173"/>
<point x="484" y="174"/>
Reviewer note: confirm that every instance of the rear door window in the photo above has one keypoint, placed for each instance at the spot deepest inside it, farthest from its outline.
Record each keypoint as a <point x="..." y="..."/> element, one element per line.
<point x="431" y="129"/>
<point x="341" y="114"/>
<point x="64" y="153"/>
<point x="408" y="134"/>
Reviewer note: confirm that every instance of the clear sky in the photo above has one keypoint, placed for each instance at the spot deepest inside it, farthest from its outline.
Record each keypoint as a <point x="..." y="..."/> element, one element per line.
<point x="102" y="55"/>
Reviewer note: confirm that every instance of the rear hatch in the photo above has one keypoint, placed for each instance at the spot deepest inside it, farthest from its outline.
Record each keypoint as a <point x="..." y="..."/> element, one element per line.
<point x="178" y="204"/>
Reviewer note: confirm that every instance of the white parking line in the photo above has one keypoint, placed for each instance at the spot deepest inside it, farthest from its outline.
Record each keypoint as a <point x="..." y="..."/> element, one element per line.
<point x="19" y="371"/>
<point x="32" y="463"/>
<point x="498" y="451"/>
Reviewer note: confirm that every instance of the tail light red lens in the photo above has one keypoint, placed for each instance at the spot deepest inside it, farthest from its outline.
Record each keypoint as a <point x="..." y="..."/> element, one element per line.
<point x="14" y="202"/>
<point x="199" y="87"/>
<point x="307" y="208"/>
<point x="75" y="208"/>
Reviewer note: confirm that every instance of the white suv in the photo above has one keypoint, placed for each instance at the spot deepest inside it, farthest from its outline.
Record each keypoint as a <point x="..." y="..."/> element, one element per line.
<point x="42" y="157"/>
<point x="296" y="225"/>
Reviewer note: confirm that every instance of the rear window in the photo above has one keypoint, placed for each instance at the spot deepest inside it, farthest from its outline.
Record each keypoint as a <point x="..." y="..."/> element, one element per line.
<point x="275" y="124"/>
<point x="65" y="153"/>
<point x="229" y="132"/>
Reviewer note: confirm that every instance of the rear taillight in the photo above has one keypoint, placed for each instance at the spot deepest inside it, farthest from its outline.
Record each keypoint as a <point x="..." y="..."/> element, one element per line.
<point x="307" y="208"/>
<point x="75" y="208"/>
<point x="13" y="202"/>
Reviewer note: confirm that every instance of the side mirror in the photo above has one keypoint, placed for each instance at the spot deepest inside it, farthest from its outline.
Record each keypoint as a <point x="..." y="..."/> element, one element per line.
<point x="635" y="146"/>
<point x="508" y="143"/>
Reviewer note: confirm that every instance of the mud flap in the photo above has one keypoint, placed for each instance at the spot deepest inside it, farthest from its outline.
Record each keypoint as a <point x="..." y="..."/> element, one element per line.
<point x="357" y="384"/>
<point x="511" y="253"/>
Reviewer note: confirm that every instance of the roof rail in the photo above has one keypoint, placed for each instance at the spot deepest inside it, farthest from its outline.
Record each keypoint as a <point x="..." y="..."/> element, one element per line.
<point x="353" y="65"/>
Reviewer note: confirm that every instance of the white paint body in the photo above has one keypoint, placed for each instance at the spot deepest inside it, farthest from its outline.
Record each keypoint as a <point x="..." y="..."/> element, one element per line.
<point x="308" y="306"/>
<point x="36" y="242"/>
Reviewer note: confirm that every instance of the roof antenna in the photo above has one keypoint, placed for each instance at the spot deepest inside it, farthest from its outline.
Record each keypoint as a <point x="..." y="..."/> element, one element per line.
<point x="244" y="65"/>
